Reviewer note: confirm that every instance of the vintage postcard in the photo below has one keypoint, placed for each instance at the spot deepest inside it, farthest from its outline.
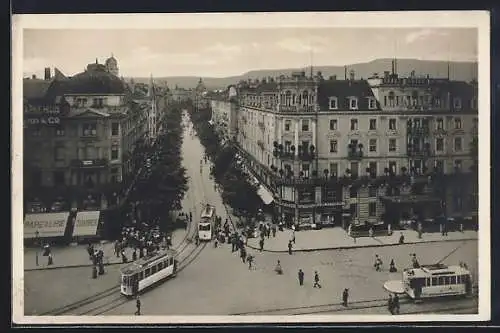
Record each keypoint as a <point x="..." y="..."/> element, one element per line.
<point x="251" y="168"/>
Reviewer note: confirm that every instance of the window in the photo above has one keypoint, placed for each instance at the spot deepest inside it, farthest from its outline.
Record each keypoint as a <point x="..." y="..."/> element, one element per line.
<point x="392" y="145"/>
<point x="392" y="124"/>
<point x="353" y="208"/>
<point x="371" y="103"/>
<point x="373" y="168"/>
<point x="353" y="103"/>
<point x="439" y="165"/>
<point x="457" y="103"/>
<point x="457" y="144"/>
<point x="385" y="100"/>
<point x="334" y="169"/>
<point x="354" y="124"/>
<point x="333" y="103"/>
<point x="458" y="123"/>
<point x="288" y="144"/>
<point x="305" y="125"/>
<point x="89" y="129"/>
<point x="305" y="169"/>
<point x="288" y="123"/>
<point x="439" y="144"/>
<point x="98" y="102"/>
<point x="373" y="145"/>
<point x="60" y="130"/>
<point x="392" y="167"/>
<point x="354" y="169"/>
<point x="372" y="209"/>
<point x="333" y="146"/>
<point x="59" y="153"/>
<point x="333" y="124"/>
<point x="434" y="281"/>
<point x="373" y="124"/>
<point x="115" y="129"/>
<point x="439" y="123"/>
<point x="59" y="178"/>
<point x="353" y="192"/>
<point x="114" y="152"/>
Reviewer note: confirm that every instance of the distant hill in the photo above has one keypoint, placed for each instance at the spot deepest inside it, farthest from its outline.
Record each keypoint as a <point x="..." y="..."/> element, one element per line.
<point x="463" y="71"/>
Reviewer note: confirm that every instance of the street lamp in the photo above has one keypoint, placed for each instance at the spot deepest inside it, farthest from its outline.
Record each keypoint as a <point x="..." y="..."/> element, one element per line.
<point x="37" y="235"/>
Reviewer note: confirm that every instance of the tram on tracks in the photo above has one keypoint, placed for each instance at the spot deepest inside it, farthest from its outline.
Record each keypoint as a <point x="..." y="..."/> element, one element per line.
<point x="432" y="281"/>
<point x="207" y="223"/>
<point x="148" y="271"/>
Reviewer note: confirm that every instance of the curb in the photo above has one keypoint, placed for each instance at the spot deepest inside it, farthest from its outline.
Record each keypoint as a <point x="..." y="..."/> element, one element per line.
<point x="70" y="266"/>
<point x="361" y="246"/>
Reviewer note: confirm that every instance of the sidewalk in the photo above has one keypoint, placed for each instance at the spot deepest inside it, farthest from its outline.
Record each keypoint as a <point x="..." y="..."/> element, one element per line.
<point x="337" y="238"/>
<point x="76" y="255"/>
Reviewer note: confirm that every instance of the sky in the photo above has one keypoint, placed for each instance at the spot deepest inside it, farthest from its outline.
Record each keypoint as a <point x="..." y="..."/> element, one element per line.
<point x="227" y="52"/>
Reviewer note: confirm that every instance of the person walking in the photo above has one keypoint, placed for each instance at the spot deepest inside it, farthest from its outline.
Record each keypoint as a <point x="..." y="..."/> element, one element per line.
<point x="293" y="236"/>
<point x="290" y="247"/>
<point x="261" y="244"/>
<point x="345" y="297"/>
<point x="138" y="306"/>
<point x="390" y="304"/>
<point x="301" y="277"/>
<point x="316" y="280"/>
<point x="395" y="301"/>
<point x="274" y="230"/>
<point x="250" y="261"/>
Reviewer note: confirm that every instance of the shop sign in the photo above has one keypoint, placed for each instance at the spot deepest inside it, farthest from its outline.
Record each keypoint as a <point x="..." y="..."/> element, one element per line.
<point x="43" y="120"/>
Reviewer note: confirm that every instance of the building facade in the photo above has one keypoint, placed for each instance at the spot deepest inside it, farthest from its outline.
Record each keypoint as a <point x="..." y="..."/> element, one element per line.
<point x="80" y="135"/>
<point x="224" y="106"/>
<point x="361" y="151"/>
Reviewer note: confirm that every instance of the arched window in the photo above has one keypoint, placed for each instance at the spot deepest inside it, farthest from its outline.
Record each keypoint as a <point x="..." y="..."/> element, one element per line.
<point x="288" y="98"/>
<point x="282" y="99"/>
<point x="305" y="97"/>
<point x="294" y="99"/>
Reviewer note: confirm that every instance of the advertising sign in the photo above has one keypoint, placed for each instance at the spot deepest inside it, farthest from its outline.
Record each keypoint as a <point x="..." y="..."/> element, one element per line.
<point x="45" y="225"/>
<point x="86" y="223"/>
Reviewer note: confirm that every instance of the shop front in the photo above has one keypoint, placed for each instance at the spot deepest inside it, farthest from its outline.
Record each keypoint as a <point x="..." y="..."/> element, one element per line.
<point x="329" y="216"/>
<point x="45" y="225"/>
<point x="86" y="225"/>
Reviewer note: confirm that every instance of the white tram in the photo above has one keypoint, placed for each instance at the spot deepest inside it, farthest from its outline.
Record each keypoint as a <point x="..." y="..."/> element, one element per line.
<point x="206" y="223"/>
<point x="431" y="281"/>
<point x="147" y="271"/>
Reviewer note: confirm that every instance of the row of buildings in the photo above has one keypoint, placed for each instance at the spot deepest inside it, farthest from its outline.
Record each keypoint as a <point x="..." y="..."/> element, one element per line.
<point x="82" y="134"/>
<point x="382" y="149"/>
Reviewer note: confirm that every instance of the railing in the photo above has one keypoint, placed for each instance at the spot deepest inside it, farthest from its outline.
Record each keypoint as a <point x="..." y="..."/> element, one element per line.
<point x="287" y="108"/>
<point x="418" y="131"/>
<point x="306" y="156"/>
<point x="355" y="155"/>
<point x="418" y="152"/>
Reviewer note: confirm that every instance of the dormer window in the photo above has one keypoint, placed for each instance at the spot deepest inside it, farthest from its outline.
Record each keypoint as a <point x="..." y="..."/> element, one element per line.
<point x="371" y="103"/>
<point x="353" y="103"/>
<point x="333" y="103"/>
<point x="457" y="103"/>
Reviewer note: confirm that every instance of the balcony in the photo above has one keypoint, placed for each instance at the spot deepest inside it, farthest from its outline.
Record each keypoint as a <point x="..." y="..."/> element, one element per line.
<point x="307" y="108"/>
<point x="287" y="108"/>
<point x="91" y="163"/>
<point x="418" y="152"/>
<point x="418" y="131"/>
<point x="306" y="156"/>
<point x="355" y="155"/>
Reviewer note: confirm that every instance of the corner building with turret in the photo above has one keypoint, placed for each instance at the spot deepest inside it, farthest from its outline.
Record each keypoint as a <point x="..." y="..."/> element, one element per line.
<point x="361" y="151"/>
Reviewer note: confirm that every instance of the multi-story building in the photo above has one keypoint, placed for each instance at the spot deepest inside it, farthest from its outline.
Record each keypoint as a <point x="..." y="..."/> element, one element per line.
<point x="79" y="137"/>
<point x="362" y="151"/>
<point x="224" y="106"/>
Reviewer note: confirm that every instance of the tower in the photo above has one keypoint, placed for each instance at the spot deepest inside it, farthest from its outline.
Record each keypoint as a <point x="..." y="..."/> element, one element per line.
<point x="112" y="65"/>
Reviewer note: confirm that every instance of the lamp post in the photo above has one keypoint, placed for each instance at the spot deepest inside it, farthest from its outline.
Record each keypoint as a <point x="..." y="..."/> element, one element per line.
<point x="37" y="235"/>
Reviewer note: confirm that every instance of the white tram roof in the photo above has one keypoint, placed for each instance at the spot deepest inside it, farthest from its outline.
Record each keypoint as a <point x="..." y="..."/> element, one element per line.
<point x="436" y="270"/>
<point x="208" y="211"/>
<point x="141" y="263"/>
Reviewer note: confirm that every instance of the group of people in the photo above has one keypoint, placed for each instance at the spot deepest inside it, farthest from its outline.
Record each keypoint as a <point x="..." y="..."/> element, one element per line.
<point x="144" y="242"/>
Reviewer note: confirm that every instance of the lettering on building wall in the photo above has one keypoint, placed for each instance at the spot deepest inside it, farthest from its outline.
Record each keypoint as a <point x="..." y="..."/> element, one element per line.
<point x="45" y="224"/>
<point x="43" y="121"/>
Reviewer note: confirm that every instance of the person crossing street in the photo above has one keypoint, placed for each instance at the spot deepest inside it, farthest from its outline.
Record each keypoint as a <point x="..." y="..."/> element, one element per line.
<point x="316" y="280"/>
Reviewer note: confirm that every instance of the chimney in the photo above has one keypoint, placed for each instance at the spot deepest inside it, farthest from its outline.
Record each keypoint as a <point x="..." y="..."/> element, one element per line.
<point x="412" y="73"/>
<point x="351" y="75"/>
<point x="345" y="72"/>
<point x="47" y="73"/>
<point x="386" y="74"/>
<point x="33" y="77"/>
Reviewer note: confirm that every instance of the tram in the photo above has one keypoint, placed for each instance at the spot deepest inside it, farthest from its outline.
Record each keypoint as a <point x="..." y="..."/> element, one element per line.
<point x="147" y="271"/>
<point x="206" y="223"/>
<point x="430" y="281"/>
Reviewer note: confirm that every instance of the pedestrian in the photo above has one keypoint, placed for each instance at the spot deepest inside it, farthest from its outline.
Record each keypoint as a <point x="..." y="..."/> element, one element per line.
<point x="138" y="306"/>
<point x="274" y="230"/>
<point x="278" y="268"/>
<point x="216" y="242"/>
<point x="395" y="302"/>
<point x="94" y="272"/>
<point x="316" y="280"/>
<point x="414" y="261"/>
<point x="50" y="261"/>
<point x="101" y="268"/>
<point x="293" y="236"/>
<point x="233" y="243"/>
<point x="370" y="232"/>
<point x="401" y="238"/>
<point x="197" y="239"/>
<point x="290" y="247"/>
<point x="301" y="277"/>
<point x="378" y="263"/>
<point x="392" y="267"/>
<point x="390" y="304"/>
<point x="261" y="244"/>
<point x="345" y="297"/>
<point x="250" y="261"/>
<point x="190" y="217"/>
<point x="243" y="254"/>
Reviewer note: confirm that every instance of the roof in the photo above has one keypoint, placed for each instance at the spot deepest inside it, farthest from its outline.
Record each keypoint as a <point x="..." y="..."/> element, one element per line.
<point x="34" y="89"/>
<point x="267" y="87"/>
<point x="144" y="261"/>
<point x="95" y="80"/>
<point x="436" y="270"/>
<point x="342" y="89"/>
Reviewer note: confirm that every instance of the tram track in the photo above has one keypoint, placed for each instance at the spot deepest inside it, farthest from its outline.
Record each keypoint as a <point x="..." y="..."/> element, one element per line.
<point x="428" y="306"/>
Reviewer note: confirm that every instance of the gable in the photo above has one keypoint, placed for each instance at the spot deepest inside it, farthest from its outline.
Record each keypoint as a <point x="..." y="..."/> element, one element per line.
<point x="88" y="113"/>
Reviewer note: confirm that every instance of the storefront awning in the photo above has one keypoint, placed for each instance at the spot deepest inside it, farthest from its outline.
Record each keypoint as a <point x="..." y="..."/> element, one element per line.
<point x="264" y="194"/>
<point x="45" y="225"/>
<point x="86" y="223"/>
<point x="394" y="286"/>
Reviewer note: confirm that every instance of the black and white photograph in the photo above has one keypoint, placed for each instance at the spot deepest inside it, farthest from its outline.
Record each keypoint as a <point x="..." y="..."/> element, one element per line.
<point x="251" y="168"/>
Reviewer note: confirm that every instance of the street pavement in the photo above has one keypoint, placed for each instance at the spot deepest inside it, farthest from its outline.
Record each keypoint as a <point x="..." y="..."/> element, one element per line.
<point x="218" y="283"/>
<point x="332" y="238"/>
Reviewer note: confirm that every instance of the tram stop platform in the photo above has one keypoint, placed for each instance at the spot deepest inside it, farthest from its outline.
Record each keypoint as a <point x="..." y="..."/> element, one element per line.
<point x="337" y="238"/>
